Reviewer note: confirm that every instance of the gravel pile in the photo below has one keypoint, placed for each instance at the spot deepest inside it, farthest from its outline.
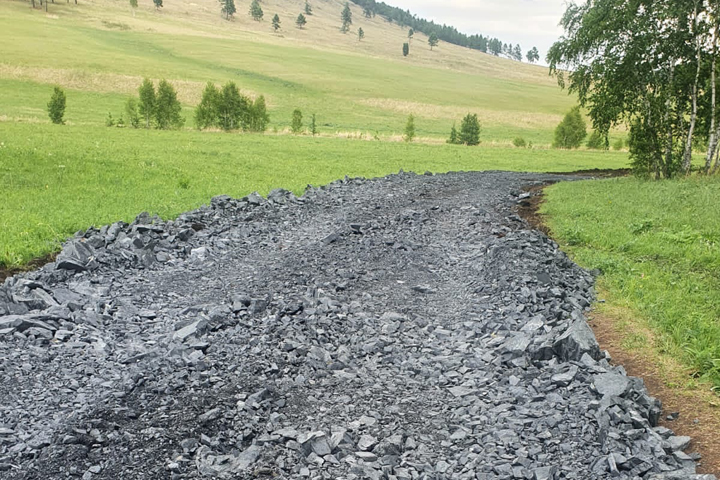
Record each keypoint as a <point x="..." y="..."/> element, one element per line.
<point x="409" y="327"/>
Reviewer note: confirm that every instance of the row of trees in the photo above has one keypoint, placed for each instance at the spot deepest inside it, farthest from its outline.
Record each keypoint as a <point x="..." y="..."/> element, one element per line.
<point x="652" y="66"/>
<point x="446" y="33"/>
<point x="227" y="109"/>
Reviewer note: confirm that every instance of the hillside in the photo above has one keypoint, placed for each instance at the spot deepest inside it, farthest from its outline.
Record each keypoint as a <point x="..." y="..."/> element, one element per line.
<point x="100" y="51"/>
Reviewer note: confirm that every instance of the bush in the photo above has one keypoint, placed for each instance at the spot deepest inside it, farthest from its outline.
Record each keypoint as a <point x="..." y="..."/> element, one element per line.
<point x="296" y="123"/>
<point x="109" y="121"/>
<point x="470" y="130"/>
<point x="406" y="49"/>
<point x="597" y="141"/>
<point x="519" y="142"/>
<point x="56" y="106"/>
<point x="571" y="131"/>
<point x="131" y="110"/>
<point x="618" y="144"/>
<point x="409" y="129"/>
<point x="453" y="140"/>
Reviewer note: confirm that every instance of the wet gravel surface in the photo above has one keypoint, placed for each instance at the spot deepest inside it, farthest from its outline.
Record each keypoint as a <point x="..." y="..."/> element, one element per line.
<point x="409" y="327"/>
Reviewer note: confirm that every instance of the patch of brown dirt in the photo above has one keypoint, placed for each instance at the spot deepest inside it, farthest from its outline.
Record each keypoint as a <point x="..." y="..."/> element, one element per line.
<point x="36" y="263"/>
<point x="667" y="380"/>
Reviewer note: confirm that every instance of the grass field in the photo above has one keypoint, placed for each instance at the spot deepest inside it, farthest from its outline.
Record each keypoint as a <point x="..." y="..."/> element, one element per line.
<point x="100" y="53"/>
<point x="59" y="179"/>
<point x="658" y="246"/>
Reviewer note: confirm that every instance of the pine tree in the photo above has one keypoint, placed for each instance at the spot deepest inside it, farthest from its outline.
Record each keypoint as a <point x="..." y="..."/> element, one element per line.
<point x="276" y="22"/>
<point x="368" y="12"/>
<point x="259" y="117"/>
<point x="158" y="4"/>
<point x="411" y="34"/>
<point x="470" y="130"/>
<point x="409" y="129"/>
<point x="433" y="40"/>
<point x="406" y="49"/>
<point x="313" y="125"/>
<point x="301" y="21"/>
<point x="256" y="11"/>
<point x="533" y="55"/>
<point x="308" y="8"/>
<point x="228" y="8"/>
<point x="346" y="18"/>
<point x="148" y="100"/>
<point x="296" y="124"/>
<point x="517" y="53"/>
<point x="56" y="106"/>
<point x="167" y="108"/>
<point x="361" y="34"/>
<point x="206" y="113"/>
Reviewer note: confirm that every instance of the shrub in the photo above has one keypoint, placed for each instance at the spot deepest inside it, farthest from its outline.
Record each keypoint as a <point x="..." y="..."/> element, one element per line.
<point x="131" y="111"/>
<point x="597" y="141"/>
<point x="56" y="106"/>
<point x="470" y="130"/>
<point x="409" y="129"/>
<point x="406" y="49"/>
<point x="453" y="140"/>
<point x="571" y="131"/>
<point x="109" y="121"/>
<point x="296" y="123"/>
<point x="313" y="125"/>
<point x="618" y="144"/>
<point x="519" y="142"/>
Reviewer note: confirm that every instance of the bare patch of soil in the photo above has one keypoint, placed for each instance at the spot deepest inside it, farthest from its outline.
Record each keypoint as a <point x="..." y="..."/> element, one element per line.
<point x="32" y="265"/>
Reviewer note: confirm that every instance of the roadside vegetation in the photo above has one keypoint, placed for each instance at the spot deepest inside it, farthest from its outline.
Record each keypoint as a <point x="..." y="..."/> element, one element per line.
<point x="658" y="252"/>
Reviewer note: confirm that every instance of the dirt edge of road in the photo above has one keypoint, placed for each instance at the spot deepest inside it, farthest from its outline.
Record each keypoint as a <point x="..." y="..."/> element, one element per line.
<point x="665" y="378"/>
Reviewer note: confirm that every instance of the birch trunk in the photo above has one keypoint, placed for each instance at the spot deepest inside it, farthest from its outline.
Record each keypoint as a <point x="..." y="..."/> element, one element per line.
<point x="687" y="157"/>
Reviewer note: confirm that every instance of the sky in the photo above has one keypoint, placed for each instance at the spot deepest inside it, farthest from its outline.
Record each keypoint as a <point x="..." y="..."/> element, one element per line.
<point x="528" y="22"/>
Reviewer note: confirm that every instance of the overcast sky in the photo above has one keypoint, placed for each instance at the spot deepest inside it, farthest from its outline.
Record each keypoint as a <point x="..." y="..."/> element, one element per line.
<point x="528" y="22"/>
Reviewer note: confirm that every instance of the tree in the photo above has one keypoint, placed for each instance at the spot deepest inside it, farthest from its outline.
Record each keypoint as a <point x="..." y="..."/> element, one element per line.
<point x="233" y="108"/>
<point x="406" y="49"/>
<point x="533" y="55"/>
<point x="206" y="113"/>
<point x="256" y="11"/>
<point x="597" y="141"/>
<point x="571" y="131"/>
<point x="296" y="124"/>
<point x="133" y="5"/>
<point x="346" y="17"/>
<point x="301" y="21"/>
<point x="56" y="106"/>
<point x="259" y="117"/>
<point x="433" y="40"/>
<point x="158" y="4"/>
<point x="147" y="101"/>
<point x="361" y="34"/>
<point x="648" y="65"/>
<point x="227" y="7"/>
<point x="409" y="129"/>
<point x="411" y="34"/>
<point x="167" y="108"/>
<point x="517" y="53"/>
<point x="276" y="22"/>
<point x="368" y="12"/>
<point x="453" y="140"/>
<point x="308" y="9"/>
<point x="313" y="125"/>
<point x="131" y="110"/>
<point x="469" y="130"/>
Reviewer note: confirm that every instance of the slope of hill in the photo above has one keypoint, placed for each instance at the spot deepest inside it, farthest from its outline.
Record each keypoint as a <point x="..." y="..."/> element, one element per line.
<point x="100" y="50"/>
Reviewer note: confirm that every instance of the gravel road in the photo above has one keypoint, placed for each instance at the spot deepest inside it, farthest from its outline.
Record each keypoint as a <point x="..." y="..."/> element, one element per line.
<point x="408" y="327"/>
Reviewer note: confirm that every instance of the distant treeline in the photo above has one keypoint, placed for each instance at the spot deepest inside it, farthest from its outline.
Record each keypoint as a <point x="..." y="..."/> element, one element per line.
<point x="444" y="32"/>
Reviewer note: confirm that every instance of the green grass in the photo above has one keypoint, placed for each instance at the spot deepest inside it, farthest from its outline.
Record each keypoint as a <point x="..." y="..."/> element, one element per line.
<point x="658" y="247"/>
<point x="59" y="179"/>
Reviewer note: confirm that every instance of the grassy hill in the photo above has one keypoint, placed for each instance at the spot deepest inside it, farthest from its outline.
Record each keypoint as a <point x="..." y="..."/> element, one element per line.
<point x="57" y="179"/>
<point x="99" y="51"/>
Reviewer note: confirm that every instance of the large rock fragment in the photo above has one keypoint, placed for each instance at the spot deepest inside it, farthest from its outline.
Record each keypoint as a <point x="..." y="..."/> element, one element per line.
<point x="76" y="256"/>
<point x="577" y="340"/>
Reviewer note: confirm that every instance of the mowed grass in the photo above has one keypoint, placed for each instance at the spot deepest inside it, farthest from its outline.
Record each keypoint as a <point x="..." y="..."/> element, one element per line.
<point x="658" y="247"/>
<point x="56" y="180"/>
